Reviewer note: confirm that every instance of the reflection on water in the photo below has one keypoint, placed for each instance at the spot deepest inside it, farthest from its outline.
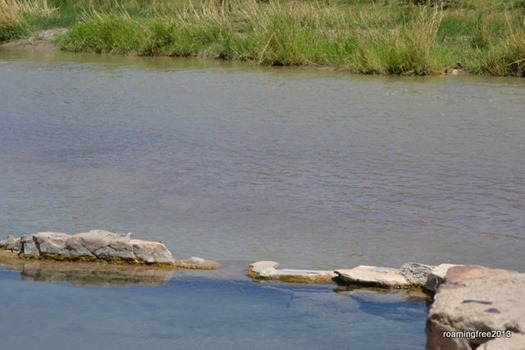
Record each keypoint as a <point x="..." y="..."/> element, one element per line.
<point x="86" y="274"/>
<point x="312" y="169"/>
<point x="199" y="312"/>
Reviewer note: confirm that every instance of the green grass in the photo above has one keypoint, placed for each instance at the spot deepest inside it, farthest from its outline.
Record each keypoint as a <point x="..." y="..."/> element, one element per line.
<point x="372" y="37"/>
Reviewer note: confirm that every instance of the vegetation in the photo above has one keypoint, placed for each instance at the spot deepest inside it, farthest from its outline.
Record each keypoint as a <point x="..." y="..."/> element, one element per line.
<point x="407" y="37"/>
<point x="17" y="17"/>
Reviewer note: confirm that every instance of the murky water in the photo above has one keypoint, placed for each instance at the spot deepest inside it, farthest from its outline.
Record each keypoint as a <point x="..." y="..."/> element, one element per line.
<point x="230" y="162"/>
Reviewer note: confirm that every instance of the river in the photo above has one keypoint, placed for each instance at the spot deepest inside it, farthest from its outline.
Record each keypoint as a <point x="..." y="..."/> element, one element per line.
<point x="227" y="161"/>
<point x="310" y="168"/>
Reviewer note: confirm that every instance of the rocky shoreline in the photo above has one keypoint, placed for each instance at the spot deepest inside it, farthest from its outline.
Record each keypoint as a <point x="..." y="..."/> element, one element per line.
<point x="472" y="307"/>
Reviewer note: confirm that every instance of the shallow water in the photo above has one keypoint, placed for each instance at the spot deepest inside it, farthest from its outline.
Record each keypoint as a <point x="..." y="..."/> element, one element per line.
<point x="197" y="310"/>
<point x="230" y="162"/>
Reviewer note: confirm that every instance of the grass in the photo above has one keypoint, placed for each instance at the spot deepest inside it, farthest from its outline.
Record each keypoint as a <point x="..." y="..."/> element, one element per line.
<point x="18" y="16"/>
<point x="367" y="36"/>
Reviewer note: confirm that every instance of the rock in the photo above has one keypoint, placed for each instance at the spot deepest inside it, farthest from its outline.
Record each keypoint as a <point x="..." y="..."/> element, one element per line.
<point x="517" y="342"/>
<point x="458" y="274"/>
<point x="372" y="276"/>
<point x="267" y="270"/>
<point x="150" y="252"/>
<point x="490" y="303"/>
<point x="415" y="273"/>
<point x="437" y="276"/>
<point x="263" y="269"/>
<point x="11" y="243"/>
<point x="28" y="246"/>
<point x="95" y="245"/>
<point x="197" y="264"/>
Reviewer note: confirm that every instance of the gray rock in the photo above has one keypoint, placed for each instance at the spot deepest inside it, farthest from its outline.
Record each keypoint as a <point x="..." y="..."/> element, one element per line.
<point x="95" y="245"/>
<point x="28" y="246"/>
<point x="490" y="303"/>
<point x="372" y="276"/>
<point x="151" y="252"/>
<point x="415" y="273"/>
<point x="11" y="243"/>
<point x="51" y="242"/>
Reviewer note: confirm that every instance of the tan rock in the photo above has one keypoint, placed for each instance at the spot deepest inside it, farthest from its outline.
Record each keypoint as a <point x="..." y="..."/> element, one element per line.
<point x="197" y="264"/>
<point x="515" y="342"/>
<point x="458" y="274"/>
<point x="490" y="303"/>
<point x="372" y="276"/>
<point x="267" y="270"/>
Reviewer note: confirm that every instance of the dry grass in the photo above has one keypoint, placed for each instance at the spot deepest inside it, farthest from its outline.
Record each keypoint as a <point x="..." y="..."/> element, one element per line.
<point x="17" y="15"/>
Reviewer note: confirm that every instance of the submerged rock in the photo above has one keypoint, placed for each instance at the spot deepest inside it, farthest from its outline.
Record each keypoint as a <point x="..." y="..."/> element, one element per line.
<point x="474" y="299"/>
<point x="197" y="263"/>
<point x="267" y="270"/>
<point x="95" y="245"/>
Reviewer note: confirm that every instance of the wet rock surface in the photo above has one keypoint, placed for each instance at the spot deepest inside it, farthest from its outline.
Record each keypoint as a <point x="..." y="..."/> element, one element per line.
<point x="197" y="263"/>
<point x="267" y="270"/>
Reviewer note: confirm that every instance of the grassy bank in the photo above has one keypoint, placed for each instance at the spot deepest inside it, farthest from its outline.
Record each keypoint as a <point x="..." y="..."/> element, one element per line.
<point x="17" y="17"/>
<point x="383" y="36"/>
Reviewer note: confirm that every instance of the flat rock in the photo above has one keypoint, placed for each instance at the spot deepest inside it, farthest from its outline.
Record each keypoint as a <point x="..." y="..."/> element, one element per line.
<point x="264" y="268"/>
<point x="489" y="303"/>
<point x="197" y="263"/>
<point x="458" y="274"/>
<point x="372" y="276"/>
<point x="95" y="245"/>
<point x="267" y="270"/>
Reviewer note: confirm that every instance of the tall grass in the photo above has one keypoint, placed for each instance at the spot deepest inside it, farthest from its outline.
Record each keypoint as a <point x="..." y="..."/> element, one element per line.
<point x="368" y="36"/>
<point x="404" y="48"/>
<point x="508" y="54"/>
<point x="16" y="16"/>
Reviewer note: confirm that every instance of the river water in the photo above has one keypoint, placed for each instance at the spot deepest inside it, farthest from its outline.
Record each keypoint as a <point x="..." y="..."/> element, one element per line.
<point x="309" y="168"/>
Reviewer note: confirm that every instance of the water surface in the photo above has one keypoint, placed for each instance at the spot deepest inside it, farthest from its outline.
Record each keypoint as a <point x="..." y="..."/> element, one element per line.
<point x="231" y="162"/>
<point x="200" y="311"/>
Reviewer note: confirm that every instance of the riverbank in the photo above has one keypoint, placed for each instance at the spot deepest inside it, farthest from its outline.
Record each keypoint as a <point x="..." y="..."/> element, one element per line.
<point x="477" y="36"/>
